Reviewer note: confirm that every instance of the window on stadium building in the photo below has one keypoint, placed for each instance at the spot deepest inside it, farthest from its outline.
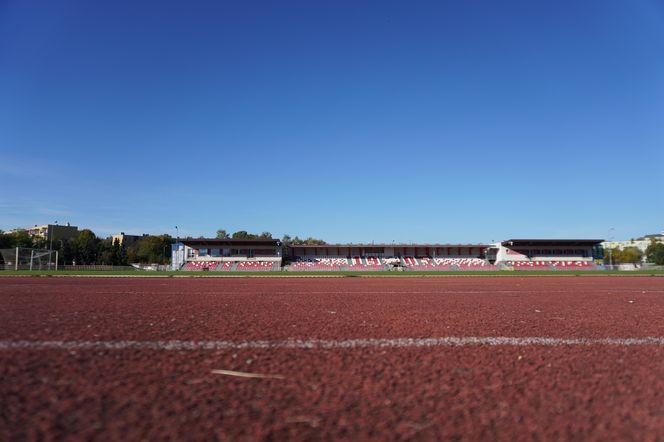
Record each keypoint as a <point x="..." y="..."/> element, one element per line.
<point x="369" y="251"/>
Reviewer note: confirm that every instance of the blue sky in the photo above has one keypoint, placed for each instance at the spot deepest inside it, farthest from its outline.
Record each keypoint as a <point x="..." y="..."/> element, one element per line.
<point x="352" y="121"/>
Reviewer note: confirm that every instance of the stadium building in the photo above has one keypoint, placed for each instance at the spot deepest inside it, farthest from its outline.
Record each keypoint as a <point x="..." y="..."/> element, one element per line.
<point x="546" y="254"/>
<point x="227" y="255"/>
<point x="268" y="255"/>
<point x="379" y="257"/>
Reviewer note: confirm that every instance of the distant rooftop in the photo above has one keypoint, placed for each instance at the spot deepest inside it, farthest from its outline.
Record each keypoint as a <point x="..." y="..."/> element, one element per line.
<point x="552" y="242"/>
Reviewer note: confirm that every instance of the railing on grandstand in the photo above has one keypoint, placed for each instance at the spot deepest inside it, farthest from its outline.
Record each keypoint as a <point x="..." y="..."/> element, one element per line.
<point x="97" y="267"/>
<point x="371" y="263"/>
<point x="248" y="265"/>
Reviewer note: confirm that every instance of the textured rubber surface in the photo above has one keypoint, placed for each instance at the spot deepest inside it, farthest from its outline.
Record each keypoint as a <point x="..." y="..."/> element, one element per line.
<point x="520" y="392"/>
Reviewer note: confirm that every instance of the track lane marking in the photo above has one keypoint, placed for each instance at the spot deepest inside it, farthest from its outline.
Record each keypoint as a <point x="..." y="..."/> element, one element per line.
<point x="448" y="341"/>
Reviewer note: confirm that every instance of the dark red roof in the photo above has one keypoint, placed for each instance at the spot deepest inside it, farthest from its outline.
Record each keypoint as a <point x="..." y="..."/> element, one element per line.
<point x="551" y="242"/>
<point x="322" y="246"/>
<point x="231" y="242"/>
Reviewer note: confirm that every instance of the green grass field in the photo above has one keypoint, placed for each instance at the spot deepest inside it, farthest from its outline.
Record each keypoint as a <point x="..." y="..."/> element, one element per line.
<point x="506" y="273"/>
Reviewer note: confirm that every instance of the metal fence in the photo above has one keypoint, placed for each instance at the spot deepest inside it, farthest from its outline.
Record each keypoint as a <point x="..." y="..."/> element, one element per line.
<point x="61" y="267"/>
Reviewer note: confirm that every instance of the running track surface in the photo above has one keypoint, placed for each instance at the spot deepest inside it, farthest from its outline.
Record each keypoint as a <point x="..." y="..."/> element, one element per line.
<point x="345" y="358"/>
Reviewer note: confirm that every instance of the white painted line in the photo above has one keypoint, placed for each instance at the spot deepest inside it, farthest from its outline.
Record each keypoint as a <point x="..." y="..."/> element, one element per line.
<point x="244" y="374"/>
<point x="448" y="341"/>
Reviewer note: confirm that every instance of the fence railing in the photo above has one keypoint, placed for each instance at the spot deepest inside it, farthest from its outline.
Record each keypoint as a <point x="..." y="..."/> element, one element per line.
<point x="61" y="267"/>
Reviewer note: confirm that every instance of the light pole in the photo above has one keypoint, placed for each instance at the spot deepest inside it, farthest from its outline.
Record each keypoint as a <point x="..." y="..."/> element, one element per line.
<point x="177" y="250"/>
<point x="610" y="237"/>
<point x="50" y="245"/>
<point x="62" y="250"/>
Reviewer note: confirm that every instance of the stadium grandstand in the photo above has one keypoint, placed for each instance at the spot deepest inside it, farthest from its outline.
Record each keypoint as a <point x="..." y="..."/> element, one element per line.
<point x="546" y="254"/>
<point x="225" y="255"/>
<point x="382" y="257"/>
<point x="251" y="255"/>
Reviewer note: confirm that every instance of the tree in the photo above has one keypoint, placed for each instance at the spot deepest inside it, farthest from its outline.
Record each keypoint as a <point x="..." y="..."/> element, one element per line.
<point x="243" y="234"/>
<point x="655" y="253"/>
<point x="39" y="242"/>
<point x="632" y="255"/>
<point x="21" y="238"/>
<point x="119" y="254"/>
<point x="105" y="252"/>
<point x="111" y="253"/>
<point x="628" y="255"/>
<point x="285" y="247"/>
<point x="87" y="247"/>
<point x="151" y="250"/>
<point x="314" y="241"/>
<point x="67" y="250"/>
<point x="309" y="241"/>
<point x="6" y="240"/>
<point x="222" y="234"/>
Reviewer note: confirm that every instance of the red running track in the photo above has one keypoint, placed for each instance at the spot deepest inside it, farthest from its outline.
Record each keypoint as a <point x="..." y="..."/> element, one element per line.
<point x="591" y="391"/>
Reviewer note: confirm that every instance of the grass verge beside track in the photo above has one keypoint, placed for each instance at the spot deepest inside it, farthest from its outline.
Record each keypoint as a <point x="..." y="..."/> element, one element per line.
<point x="138" y="273"/>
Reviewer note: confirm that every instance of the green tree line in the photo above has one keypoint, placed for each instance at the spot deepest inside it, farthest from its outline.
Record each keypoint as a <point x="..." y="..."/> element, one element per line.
<point x="631" y="255"/>
<point x="627" y="255"/>
<point x="286" y="240"/>
<point x="655" y="253"/>
<point x="86" y="248"/>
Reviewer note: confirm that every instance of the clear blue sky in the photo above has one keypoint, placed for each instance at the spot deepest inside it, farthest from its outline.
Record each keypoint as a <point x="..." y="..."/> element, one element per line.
<point x="349" y="121"/>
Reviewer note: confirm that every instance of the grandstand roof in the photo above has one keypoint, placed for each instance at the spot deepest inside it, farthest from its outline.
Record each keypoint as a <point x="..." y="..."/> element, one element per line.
<point x="387" y="245"/>
<point x="231" y="242"/>
<point x="552" y="242"/>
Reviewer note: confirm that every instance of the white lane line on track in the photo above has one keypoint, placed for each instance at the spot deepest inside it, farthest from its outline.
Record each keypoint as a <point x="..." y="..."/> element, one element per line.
<point x="444" y="291"/>
<point x="449" y="341"/>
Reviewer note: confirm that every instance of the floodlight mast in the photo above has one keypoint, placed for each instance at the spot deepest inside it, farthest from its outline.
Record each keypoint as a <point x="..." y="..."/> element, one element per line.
<point x="177" y="241"/>
<point x="57" y="254"/>
<point x="610" y="237"/>
<point x="50" y="247"/>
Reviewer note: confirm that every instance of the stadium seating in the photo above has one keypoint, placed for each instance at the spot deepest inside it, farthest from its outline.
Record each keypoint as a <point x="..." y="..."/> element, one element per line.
<point x="254" y="266"/>
<point x="529" y="265"/>
<point x="315" y="263"/>
<point x="391" y="261"/>
<point x="356" y="261"/>
<point x="418" y="263"/>
<point x="460" y="262"/>
<point x="225" y="266"/>
<point x="573" y="265"/>
<point x="429" y="263"/>
<point x="370" y="263"/>
<point x="193" y="266"/>
<point x="373" y="261"/>
<point x="551" y="265"/>
<point x="410" y="261"/>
